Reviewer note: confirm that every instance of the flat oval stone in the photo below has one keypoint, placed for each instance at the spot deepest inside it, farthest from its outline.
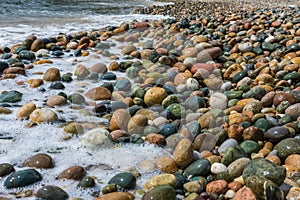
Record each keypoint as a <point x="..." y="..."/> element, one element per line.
<point x="161" y="192"/>
<point x="98" y="137"/>
<point x="226" y="144"/>
<point x="74" y="128"/>
<point x="265" y="168"/>
<point x="75" y="172"/>
<point x="86" y="182"/>
<point x="22" y="178"/>
<point x="293" y="111"/>
<point x="51" y="192"/>
<point x="155" y="96"/>
<point x="5" y="169"/>
<point x="217" y="168"/>
<point x="250" y="146"/>
<point x="40" y="160"/>
<point x="43" y="115"/>
<point x="125" y="180"/>
<point x="200" y="167"/>
<point x="217" y="187"/>
<point x="288" y="147"/>
<point x="51" y="75"/>
<point x="183" y="153"/>
<point x="236" y="168"/>
<point x="11" y="97"/>
<point x="277" y="134"/>
<point x="117" y="196"/>
<point x="161" y="179"/>
<point x="232" y="154"/>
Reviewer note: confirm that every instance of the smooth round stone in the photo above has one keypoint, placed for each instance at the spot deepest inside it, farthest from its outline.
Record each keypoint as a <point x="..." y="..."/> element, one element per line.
<point x="217" y="168"/>
<point x="3" y="66"/>
<point x="254" y="106"/>
<point x="245" y="47"/>
<point x="256" y="92"/>
<point x="81" y="72"/>
<point x="122" y="85"/>
<point x="43" y="115"/>
<point x="86" y="182"/>
<point x="154" y="96"/>
<point x="137" y="124"/>
<point x="162" y="179"/>
<point x="219" y="101"/>
<point x="4" y="110"/>
<point x="200" y="167"/>
<point x="76" y="98"/>
<point x="22" y="178"/>
<point x="108" y="76"/>
<point x="124" y="180"/>
<point x="193" y="186"/>
<point x="226" y="86"/>
<point x="117" y="196"/>
<point x="236" y="168"/>
<point x="277" y="134"/>
<point x="250" y="146"/>
<point x="239" y="76"/>
<point x="75" y="172"/>
<point x="226" y="144"/>
<point x="195" y="102"/>
<point x="217" y="187"/>
<point x="294" y="193"/>
<point x="192" y="84"/>
<point x="293" y="160"/>
<point x="40" y="160"/>
<point x="51" y="192"/>
<point x="98" y="137"/>
<point x="128" y="49"/>
<point x="6" y="169"/>
<point x="183" y="153"/>
<point x="99" y="93"/>
<point x="73" y="128"/>
<point x="51" y="75"/>
<point x="262" y="123"/>
<point x="293" y="111"/>
<point x="11" y="97"/>
<point x="166" y="164"/>
<point x="264" y="188"/>
<point x="167" y="129"/>
<point x="245" y="193"/>
<point x="161" y="192"/>
<point x="253" y="133"/>
<point x="170" y="99"/>
<point x="57" y="86"/>
<point x="119" y="119"/>
<point x="177" y="110"/>
<point x="265" y="168"/>
<point x="56" y="100"/>
<point x="232" y="154"/>
<point x="27" y="55"/>
<point x="288" y="147"/>
<point x="283" y="96"/>
<point x="233" y="94"/>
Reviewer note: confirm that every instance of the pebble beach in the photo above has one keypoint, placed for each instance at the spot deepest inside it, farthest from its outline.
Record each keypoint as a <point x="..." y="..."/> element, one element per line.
<point x="200" y="101"/>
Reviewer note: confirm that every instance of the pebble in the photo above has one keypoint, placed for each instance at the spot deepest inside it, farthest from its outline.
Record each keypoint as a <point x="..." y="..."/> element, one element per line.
<point x="217" y="168"/>
<point x="74" y="128"/>
<point x="245" y="193"/>
<point x="75" y="172"/>
<point x="193" y="186"/>
<point x="56" y="100"/>
<point x="124" y="180"/>
<point x="226" y="144"/>
<point x="40" y="160"/>
<point x="162" y="179"/>
<point x="6" y="169"/>
<point x="11" y="97"/>
<point x="98" y="137"/>
<point x="51" y="192"/>
<point x="137" y="124"/>
<point x="52" y="75"/>
<point x="119" y="120"/>
<point x="288" y="147"/>
<point x="217" y="187"/>
<point x="218" y="100"/>
<point x="117" y="196"/>
<point x="99" y="93"/>
<point x="200" y="167"/>
<point x="154" y="96"/>
<point x="183" y="153"/>
<point x="166" y="164"/>
<point x="293" y="160"/>
<point x="43" y="115"/>
<point x="22" y="178"/>
<point x="293" y="111"/>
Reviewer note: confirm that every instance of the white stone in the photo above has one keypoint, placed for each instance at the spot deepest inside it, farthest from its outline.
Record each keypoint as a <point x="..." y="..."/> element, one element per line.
<point x="218" y="100"/>
<point x="96" y="138"/>
<point x="43" y="115"/>
<point x="229" y="194"/>
<point x="192" y="84"/>
<point x="217" y="168"/>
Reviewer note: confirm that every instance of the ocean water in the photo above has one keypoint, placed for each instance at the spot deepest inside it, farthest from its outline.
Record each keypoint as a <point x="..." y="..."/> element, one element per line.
<point x="19" y="18"/>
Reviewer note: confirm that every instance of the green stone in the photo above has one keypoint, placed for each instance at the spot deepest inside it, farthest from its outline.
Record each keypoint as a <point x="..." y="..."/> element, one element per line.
<point x="283" y="106"/>
<point x="67" y="78"/>
<point x="132" y="72"/>
<point x="264" y="188"/>
<point x="177" y="110"/>
<point x="264" y="168"/>
<point x="86" y="182"/>
<point x="161" y="192"/>
<point x="19" y="49"/>
<point x="257" y="50"/>
<point x="285" y="119"/>
<point x="150" y="129"/>
<point x="22" y="178"/>
<point x="51" y="192"/>
<point x="200" y="167"/>
<point x="256" y="92"/>
<point x="233" y="94"/>
<point x="287" y="147"/>
<point x="294" y="76"/>
<point x="170" y="100"/>
<point x="124" y="180"/>
<point x="225" y="176"/>
<point x="263" y="124"/>
<point x="293" y="48"/>
<point x="268" y="46"/>
<point x="232" y="102"/>
<point x="3" y="66"/>
<point x="11" y="97"/>
<point x="26" y="55"/>
<point x="239" y="76"/>
<point x="76" y="98"/>
<point x="109" y="188"/>
<point x="195" y="102"/>
<point x="250" y="146"/>
<point x="232" y="154"/>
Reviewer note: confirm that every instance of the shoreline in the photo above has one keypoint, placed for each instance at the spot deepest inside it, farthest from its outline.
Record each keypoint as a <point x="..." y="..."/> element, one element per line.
<point x="215" y="99"/>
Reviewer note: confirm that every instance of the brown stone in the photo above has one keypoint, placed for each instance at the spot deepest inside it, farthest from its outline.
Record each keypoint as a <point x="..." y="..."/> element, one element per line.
<point x="14" y="70"/>
<point x="209" y="54"/>
<point x="182" y="77"/>
<point x="137" y="124"/>
<point x="217" y="187"/>
<point x="119" y="120"/>
<point x="56" y="100"/>
<point x="253" y="133"/>
<point x="283" y="96"/>
<point x="245" y="193"/>
<point x="26" y="110"/>
<point x="51" y="75"/>
<point x="166" y="164"/>
<point x="154" y="138"/>
<point x="154" y="96"/>
<point x="40" y="160"/>
<point x="99" y="93"/>
<point x="267" y="100"/>
<point x="98" y="68"/>
<point x="117" y="196"/>
<point x="81" y="72"/>
<point x="235" y="132"/>
<point x="34" y="83"/>
<point x="116" y="134"/>
<point x="235" y="185"/>
<point x="75" y="172"/>
<point x="293" y="160"/>
<point x="183" y="153"/>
